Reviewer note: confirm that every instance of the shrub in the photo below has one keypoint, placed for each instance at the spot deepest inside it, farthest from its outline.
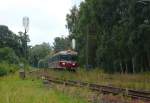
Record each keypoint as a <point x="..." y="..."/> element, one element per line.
<point x="8" y="54"/>
<point x="6" y="68"/>
<point x="3" y="71"/>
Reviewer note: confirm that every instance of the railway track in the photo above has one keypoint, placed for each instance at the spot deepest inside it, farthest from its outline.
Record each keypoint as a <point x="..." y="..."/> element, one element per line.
<point x="134" y="94"/>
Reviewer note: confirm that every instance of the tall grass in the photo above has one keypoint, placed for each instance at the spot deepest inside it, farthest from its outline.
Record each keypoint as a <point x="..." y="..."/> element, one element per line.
<point x="15" y="90"/>
<point x="133" y="81"/>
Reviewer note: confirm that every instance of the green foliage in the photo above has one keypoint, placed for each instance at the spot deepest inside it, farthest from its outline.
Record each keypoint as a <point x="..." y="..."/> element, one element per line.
<point x="6" y="68"/>
<point x="2" y="71"/>
<point x="9" y="39"/>
<point x="8" y="54"/>
<point x="39" y="52"/>
<point x="115" y="33"/>
<point x="18" y="43"/>
<point x="24" y="48"/>
<point x="61" y="44"/>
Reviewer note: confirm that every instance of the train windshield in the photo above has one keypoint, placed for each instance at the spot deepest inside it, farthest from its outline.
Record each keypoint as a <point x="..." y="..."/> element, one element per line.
<point x="68" y="57"/>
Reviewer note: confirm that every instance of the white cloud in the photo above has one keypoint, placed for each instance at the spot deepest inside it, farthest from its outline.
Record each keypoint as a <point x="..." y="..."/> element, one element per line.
<point x="47" y="17"/>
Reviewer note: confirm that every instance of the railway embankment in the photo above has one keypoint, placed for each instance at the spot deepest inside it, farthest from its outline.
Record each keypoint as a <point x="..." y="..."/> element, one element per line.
<point x="139" y="81"/>
<point x="120" y="92"/>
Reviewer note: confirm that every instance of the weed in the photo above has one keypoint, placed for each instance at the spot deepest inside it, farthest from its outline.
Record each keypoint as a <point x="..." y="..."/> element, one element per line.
<point x="15" y="90"/>
<point x="132" y="81"/>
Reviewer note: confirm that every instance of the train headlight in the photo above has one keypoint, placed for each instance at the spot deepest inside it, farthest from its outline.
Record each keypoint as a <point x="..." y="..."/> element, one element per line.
<point x="73" y="64"/>
<point x="63" y="63"/>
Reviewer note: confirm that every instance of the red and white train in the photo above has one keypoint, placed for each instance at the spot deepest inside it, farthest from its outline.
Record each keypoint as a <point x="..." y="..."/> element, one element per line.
<point x="64" y="60"/>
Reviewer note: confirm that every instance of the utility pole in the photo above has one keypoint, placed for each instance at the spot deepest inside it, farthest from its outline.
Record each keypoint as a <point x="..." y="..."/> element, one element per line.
<point x="26" y="28"/>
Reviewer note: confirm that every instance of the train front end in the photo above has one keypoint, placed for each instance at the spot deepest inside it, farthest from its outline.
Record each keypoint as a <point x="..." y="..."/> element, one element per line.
<point x="68" y="60"/>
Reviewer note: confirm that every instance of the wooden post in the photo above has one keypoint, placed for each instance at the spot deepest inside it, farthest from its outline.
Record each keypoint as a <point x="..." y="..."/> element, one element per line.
<point x="22" y="71"/>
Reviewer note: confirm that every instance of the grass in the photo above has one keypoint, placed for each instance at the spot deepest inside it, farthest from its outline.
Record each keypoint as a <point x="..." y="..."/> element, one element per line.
<point x="15" y="90"/>
<point x="131" y="81"/>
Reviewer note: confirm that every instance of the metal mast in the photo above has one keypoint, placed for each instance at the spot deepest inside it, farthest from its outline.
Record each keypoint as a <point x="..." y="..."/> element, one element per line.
<point x="26" y="29"/>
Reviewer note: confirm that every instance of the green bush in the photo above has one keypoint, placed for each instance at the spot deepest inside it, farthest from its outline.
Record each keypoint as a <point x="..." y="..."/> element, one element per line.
<point x="6" y="68"/>
<point x="8" y="54"/>
<point x="3" y="71"/>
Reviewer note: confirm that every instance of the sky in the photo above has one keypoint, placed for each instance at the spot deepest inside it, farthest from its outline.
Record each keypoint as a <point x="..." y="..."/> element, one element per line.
<point x="47" y="17"/>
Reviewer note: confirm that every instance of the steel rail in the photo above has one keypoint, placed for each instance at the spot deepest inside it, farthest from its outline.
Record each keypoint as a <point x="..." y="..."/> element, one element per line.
<point x="134" y="94"/>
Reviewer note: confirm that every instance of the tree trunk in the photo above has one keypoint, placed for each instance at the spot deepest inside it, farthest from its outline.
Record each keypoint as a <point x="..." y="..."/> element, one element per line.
<point x="133" y="64"/>
<point x="121" y="67"/>
<point x="148" y="58"/>
<point x="141" y="64"/>
<point x="126" y="71"/>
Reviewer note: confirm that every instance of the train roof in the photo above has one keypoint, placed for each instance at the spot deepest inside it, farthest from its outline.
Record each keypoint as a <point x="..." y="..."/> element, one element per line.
<point x="66" y="52"/>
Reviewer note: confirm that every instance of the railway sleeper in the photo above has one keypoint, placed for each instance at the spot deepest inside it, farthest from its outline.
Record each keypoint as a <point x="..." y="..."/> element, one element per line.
<point x="139" y="97"/>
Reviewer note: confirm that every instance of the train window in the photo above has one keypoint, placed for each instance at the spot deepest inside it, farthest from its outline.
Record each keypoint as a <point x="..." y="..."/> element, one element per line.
<point x="68" y="57"/>
<point x="50" y="59"/>
<point x="64" y="57"/>
<point x="53" y="59"/>
<point x="58" y="57"/>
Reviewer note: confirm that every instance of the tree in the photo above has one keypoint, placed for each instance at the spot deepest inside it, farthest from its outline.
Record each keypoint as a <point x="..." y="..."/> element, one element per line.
<point x="116" y="33"/>
<point x="61" y="44"/>
<point x="8" y="55"/>
<point x="38" y="52"/>
<point x="9" y="39"/>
